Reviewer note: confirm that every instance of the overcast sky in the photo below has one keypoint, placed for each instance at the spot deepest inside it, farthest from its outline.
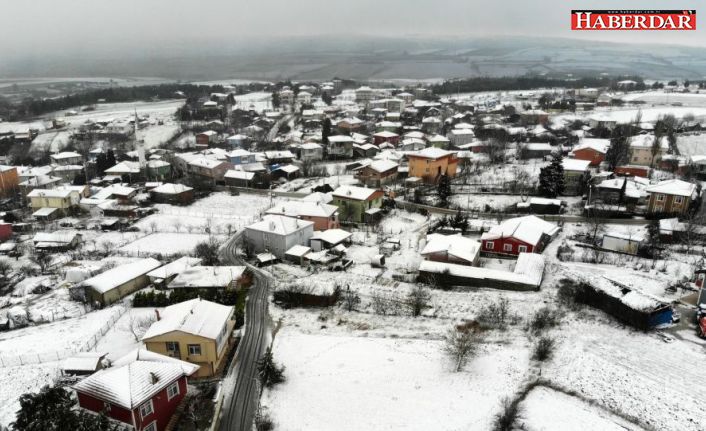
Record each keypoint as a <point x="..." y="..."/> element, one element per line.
<point x="35" y="27"/>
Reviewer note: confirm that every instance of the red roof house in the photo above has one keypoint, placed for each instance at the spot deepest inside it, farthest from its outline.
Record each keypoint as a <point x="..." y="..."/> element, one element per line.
<point x="592" y="150"/>
<point x="529" y="234"/>
<point x="143" y="389"/>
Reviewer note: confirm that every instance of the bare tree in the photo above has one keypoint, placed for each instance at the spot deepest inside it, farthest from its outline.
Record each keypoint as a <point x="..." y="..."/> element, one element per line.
<point x="460" y="345"/>
<point x="106" y="246"/>
<point x="351" y="299"/>
<point x="693" y="226"/>
<point x="418" y="299"/>
<point x="177" y="225"/>
<point x="139" y="325"/>
<point x="153" y="226"/>
<point x="42" y="260"/>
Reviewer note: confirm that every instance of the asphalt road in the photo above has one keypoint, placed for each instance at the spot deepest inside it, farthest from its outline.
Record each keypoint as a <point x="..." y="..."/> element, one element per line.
<point x="240" y="387"/>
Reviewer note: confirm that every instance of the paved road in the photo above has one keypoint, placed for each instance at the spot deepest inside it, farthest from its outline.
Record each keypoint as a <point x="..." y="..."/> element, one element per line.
<point x="240" y="387"/>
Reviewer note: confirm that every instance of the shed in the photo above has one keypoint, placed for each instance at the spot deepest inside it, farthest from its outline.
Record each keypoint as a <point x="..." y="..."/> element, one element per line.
<point x="83" y="363"/>
<point x="116" y="283"/>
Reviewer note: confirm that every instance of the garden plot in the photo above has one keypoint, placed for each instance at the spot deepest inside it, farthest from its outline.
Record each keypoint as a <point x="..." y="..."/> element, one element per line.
<point x="220" y="212"/>
<point x="633" y="373"/>
<point x="692" y="144"/>
<point x="42" y="342"/>
<point x="351" y="383"/>
<point x="545" y="409"/>
<point x="120" y="339"/>
<point x="166" y="243"/>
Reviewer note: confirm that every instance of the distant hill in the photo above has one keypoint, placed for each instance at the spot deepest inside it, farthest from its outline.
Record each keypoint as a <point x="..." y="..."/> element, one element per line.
<point x="375" y="58"/>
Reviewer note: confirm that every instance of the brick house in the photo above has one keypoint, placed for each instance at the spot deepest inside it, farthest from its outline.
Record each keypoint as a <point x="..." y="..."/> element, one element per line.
<point x="671" y="197"/>
<point x="142" y="389"/>
<point x="529" y="234"/>
<point x="592" y="150"/>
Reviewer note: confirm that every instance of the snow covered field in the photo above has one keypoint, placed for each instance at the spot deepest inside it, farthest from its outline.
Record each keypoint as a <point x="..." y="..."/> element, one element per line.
<point x="219" y="211"/>
<point x="18" y="380"/>
<point x="660" y="97"/>
<point x="548" y="410"/>
<point x="165" y="243"/>
<point x="354" y="383"/>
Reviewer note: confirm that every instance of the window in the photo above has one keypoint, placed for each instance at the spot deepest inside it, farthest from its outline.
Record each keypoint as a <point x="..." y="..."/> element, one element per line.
<point x="194" y="349"/>
<point x="489" y="245"/>
<point x="146" y="409"/>
<point x="660" y="197"/>
<point x="172" y="390"/>
<point x="151" y="427"/>
<point x="172" y="346"/>
<point x="522" y="249"/>
<point x="678" y="199"/>
<point x="507" y="247"/>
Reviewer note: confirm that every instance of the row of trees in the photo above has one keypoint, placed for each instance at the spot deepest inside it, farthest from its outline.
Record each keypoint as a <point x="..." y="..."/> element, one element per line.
<point x="527" y="83"/>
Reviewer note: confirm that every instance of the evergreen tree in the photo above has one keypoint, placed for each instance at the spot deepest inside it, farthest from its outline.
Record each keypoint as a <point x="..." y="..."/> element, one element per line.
<point x="101" y="164"/>
<point x="275" y="100"/>
<point x="326" y="98"/>
<point x="53" y="409"/>
<point x="551" y="178"/>
<point x="443" y="190"/>
<point x="270" y="374"/>
<point x="110" y="159"/>
<point x="618" y="152"/>
<point x="325" y="130"/>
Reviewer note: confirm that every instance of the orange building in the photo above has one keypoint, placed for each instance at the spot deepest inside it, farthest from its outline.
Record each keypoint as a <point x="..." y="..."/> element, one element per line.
<point x="9" y="181"/>
<point x="592" y="150"/>
<point x="431" y="163"/>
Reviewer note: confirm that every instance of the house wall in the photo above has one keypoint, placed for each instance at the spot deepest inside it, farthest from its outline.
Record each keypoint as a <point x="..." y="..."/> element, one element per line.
<point x="179" y="198"/>
<point x="9" y="182"/>
<point x="498" y="246"/>
<point x="668" y="204"/>
<point x="572" y="182"/>
<point x="430" y="170"/>
<point x="354" y="211"/>
<point x="323" y="223"/>
<point x="209" y="360"/>
<point x="113" y="411"/>
<point x="277" y="244"/>
<point x="119" y="292"/>
<point x="620" y="244"/>
<point x="373" y="178"/>
<point x="643" y="156"/>
<point x="50" y="202"/>
<point x="164" y="408"/>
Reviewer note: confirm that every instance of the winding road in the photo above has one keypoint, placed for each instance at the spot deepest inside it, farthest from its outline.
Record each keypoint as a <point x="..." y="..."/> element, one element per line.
<point x="240" y="387"/>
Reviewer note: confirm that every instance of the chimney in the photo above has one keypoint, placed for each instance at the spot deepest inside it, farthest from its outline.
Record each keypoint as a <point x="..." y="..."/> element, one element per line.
<point x="157" y="313"/>
<point x="154" y="378"/>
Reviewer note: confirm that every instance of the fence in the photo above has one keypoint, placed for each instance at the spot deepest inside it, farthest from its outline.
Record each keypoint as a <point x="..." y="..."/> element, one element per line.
<point x="43" y="357"/>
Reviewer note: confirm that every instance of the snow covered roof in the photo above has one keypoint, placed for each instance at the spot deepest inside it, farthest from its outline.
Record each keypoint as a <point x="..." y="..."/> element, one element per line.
<point x="207" y="276"/>
<point x="386" y="134"/>
<point x="298" y="251"/>
<point x="279" y="155"/>
<point x="528" y="229"/>
<point x="126" y="167"/>
<point x="673" y="187"/>
<point x="44" y="212"/>
<point x="287" y="169"/>
<point x="280" y="225"/>
<point x="431" y="153"/>
<point x="438" y="138"/>
<point x="239" y="175"/>
<point x="382" y="165"/>
<point x="83" y="361"/>
<point x="460" y="132"/>
<point x="455" y="245"/>
<point x="575" y="165"/>
<point x="531" y="271"/>
<point x="324" y="198"/>
<point x="598" y="145"/>
<point x="332" y="236"/>
<point x="636" y="237"/>
<point x="50" y="193"/>
<point x="120" y="275"/>
<point x="56" y="237"/>
<point x="65" y="155"/>
<point x="646" y="141"/>
<point x="355" y="193"/>
<point x="303" y="208"/>
<point x="340" y="139"/>
<point x="171" y="189"/>
<point x="196" y="316"/>
<point x="135" y="382"/>
<point x="174" y="268"/>
<point x="530" y="266"/>
<point x="204" y="162"/>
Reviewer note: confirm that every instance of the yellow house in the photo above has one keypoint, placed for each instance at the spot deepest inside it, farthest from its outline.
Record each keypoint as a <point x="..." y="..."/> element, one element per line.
<point x="431" y="163"/>
<point x="62" y="199"/>
<point x="195" y="331"/>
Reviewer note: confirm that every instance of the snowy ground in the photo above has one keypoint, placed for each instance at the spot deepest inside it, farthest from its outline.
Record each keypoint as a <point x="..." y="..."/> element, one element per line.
<point x="166" y="243"/>
<point x="219" y="211"/>
<point x="660" y="97"/>
<point x="548" y="410"/>
<point x="19" y="380"/>
<point x="387" y="384"/>
<point x="692" y="144"/>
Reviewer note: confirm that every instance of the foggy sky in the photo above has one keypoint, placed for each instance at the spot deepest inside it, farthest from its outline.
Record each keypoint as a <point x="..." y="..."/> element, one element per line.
<point x="83" y="27"/>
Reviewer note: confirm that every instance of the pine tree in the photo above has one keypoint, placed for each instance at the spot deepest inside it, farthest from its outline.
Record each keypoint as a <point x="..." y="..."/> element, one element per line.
<point x="443" y="190"/>
<point x="110" y="159"/>
<point x="275" y="100"/>
<point x="551" y="178"/>
<point x="270" y="374"/>
<point x="558" y="172"/>
<point x="325" y="130"/>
